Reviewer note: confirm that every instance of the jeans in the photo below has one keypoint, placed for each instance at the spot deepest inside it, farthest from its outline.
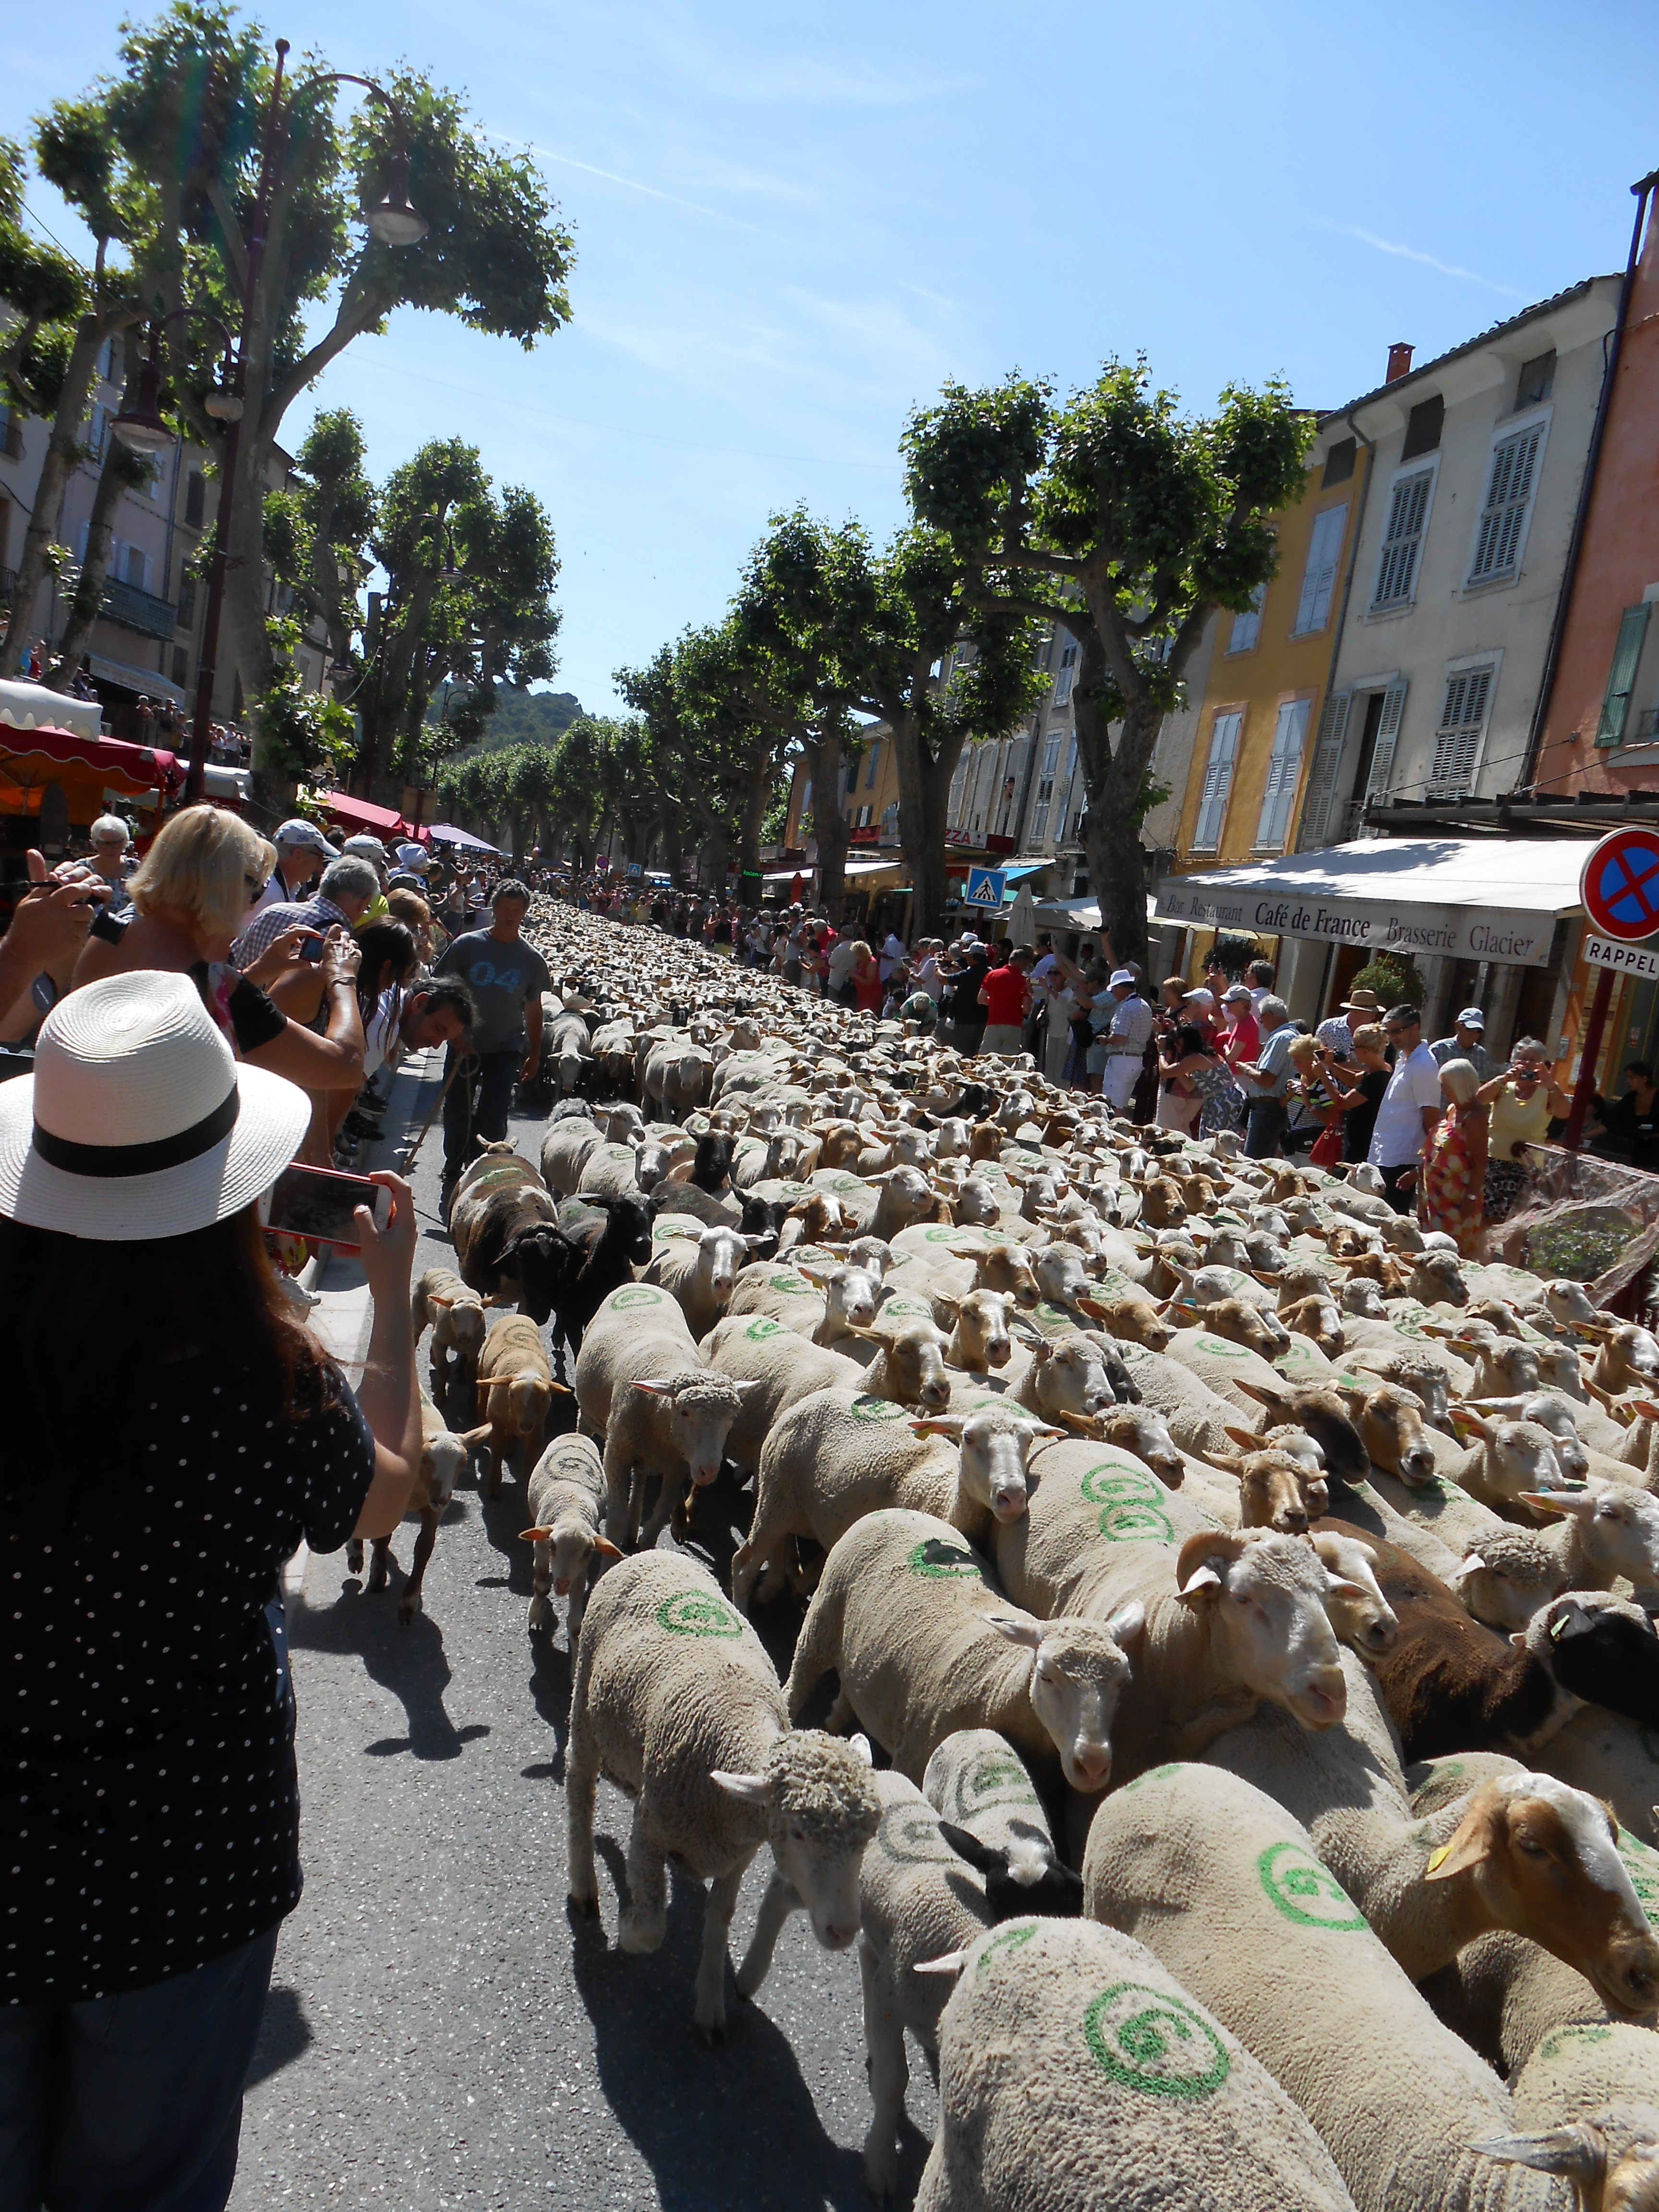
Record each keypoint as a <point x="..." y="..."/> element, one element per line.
<point x="478" y="1101"/>
<point x="131" y="2103"/>
<point x="1268" y="1118"/>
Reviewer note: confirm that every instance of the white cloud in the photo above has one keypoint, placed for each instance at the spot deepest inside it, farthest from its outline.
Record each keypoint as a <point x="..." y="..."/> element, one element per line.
<point x="1427" y="260"/>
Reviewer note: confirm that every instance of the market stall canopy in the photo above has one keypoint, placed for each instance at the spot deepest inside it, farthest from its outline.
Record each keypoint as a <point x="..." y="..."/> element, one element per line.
<point x="144" y="681"/>
<point x="447" y="834"/>
<point x="363" y="814"/>
<point x="34" y="756"/>
<point x="233" y="784"/>
<point x="1464" y="898"/>
<point x="30" y="706"/>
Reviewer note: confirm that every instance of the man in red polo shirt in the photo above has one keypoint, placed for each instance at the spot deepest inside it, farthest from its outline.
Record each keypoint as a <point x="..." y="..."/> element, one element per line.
<point x="1005" y="994"/>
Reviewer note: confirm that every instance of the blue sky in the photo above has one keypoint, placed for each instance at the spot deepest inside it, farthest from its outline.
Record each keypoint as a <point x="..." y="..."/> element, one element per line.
<point x="793" y="224"/>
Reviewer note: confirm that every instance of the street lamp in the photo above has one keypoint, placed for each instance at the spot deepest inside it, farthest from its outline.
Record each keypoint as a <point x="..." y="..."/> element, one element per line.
<point x="391" y="218"/>
<point x="140" y="427"/>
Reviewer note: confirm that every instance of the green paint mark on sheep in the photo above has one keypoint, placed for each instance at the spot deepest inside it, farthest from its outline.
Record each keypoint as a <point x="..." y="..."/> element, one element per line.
<point x="1146" y="2039"/>
<point x="1137" y="1522"/>
<point x="1558" y="2038"/>
<point x="640" y="1295"/>
<point x="996" y="1778"/>
<point x="1305" y="1892"/>
<point x="844" y="1185"/>
<point x="1110" y="1482"/>
<point x="757" y="1331"/>
<point x="1218" y="1348"/>
<point x="1156" y="1774"/>
<point x="943" y="1562"/>
<point x="910" y="1834"/>
<point x="1012" y="1938"/>
<point x="796" y="1286"/>
<point x="879" y="1409"/>
<point x="696" y="1613"/>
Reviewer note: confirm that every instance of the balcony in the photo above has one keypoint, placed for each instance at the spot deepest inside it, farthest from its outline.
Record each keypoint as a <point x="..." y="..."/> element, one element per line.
<point x="137" y="609"/>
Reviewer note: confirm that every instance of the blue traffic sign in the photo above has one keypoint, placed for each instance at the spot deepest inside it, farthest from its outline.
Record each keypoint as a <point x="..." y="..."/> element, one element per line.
<point x="985" y="887"/>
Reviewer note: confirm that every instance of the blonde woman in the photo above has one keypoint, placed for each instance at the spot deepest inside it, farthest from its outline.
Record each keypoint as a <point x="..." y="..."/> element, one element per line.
<point x="190" y="895"/>
<point x="1450" y="1188"/>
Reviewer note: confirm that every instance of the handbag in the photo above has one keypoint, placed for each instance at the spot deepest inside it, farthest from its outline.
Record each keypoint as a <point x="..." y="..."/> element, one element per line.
<point x="1327" y="1150"/>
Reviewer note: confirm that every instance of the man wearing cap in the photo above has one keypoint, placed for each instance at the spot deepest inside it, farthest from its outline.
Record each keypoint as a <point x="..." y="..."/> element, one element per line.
<point x="1119" y="1050"/>
<point x="302" y="849"/>
<point x="348" y="890"/>
<point x="1467" y="1041"/>
<point x="1337" y="1034"/>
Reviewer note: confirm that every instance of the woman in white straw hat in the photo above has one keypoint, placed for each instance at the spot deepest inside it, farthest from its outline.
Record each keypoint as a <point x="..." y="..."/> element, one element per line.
<point x="146" y="1746"/>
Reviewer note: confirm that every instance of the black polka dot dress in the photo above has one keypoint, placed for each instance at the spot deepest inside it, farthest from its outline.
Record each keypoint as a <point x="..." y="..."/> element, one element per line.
<point x="151" y="1814"/>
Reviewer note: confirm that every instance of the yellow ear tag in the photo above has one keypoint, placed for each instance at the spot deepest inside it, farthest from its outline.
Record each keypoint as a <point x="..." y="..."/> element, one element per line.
<point x="1437" y="1858"/>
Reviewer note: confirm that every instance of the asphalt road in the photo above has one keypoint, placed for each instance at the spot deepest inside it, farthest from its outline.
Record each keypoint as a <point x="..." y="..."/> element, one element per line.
<point x="439" y="2033"/>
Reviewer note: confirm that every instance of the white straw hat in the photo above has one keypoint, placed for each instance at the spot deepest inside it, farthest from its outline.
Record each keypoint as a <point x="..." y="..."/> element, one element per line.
<point x="137" y="1120"/>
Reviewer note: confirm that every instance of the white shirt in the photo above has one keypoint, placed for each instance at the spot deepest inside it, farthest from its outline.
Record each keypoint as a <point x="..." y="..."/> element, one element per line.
<point x="381" y="1042"/>
<point x="1258" y="992"/>
<point x="891" y="954"/>
<point x="1397" y="1138"/>
<point x="930" y="980"/>
<point x="1132" y="1026"/>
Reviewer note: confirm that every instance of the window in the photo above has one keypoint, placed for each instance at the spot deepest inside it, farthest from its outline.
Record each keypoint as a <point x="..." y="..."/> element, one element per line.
<point x="97" y="432"/>
<point x="1621" y="677"/>
<point x="1218" y="776"/>
<point x="106" y="361"/>
<point x="1317" y="806"/>
<point x="1457" y="740"/>
<point x="1535" y="381"/>
<point x="805" y="792"/>
<point x="180" y="665"/>
<point x="874" y="764"/>
<point x="890" y="827"/>
<point x="11" y="433"/>
<point x="1384" y="711"/>
<point x="1408" y="510"/>
<point x="863" y="821"/>
<point x="1509" y="494"/>
<point x="135" y="567"/>
<point x="1045" y="790"/>
<point x="195" y="500"/>
<point x="1283" y="772"/>
<point x="186" y="617"/>
<point x="1063" y="678"/>
<point x="1339" y="463"/>
<point x="1423" y="428"/>
<point x="1313" y="609"/>
<point x="1247" y="628"/>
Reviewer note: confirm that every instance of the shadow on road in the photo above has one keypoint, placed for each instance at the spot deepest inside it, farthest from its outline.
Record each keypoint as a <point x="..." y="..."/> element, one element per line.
<point x="284" y="2033"/>
<point x="735" y="2125"/>
<point x="408" y="1662"/>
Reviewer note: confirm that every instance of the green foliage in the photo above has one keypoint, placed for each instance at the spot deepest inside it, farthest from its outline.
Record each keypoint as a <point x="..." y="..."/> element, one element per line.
<point x="522" y="716"/>
<point x="310" y="735"/>
<point x="1394" y="978"/>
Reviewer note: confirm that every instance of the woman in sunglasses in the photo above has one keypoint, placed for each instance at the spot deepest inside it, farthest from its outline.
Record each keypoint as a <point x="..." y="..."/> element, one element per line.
<point x="1524" y="1100"/>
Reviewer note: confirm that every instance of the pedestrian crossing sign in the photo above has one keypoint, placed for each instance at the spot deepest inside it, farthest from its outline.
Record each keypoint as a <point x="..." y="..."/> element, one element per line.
<point x="985" y="887"/>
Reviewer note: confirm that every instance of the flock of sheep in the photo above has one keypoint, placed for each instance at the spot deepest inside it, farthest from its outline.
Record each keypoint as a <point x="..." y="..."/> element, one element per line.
<point x="1245" y="1593"/>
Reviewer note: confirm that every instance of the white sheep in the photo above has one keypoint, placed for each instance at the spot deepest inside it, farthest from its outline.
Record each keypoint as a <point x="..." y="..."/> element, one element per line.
<point x="565" y="1496"/>
<point x="674" y="1699"/>
<point x="455" y="1312"/>
<point x="699" y="1264"/>
<point x="783" y="1368"/>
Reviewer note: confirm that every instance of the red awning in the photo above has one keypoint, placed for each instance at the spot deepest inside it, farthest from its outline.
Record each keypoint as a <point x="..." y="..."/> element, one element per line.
<point x="128" y="768"/>
<point x="361" y="814"/>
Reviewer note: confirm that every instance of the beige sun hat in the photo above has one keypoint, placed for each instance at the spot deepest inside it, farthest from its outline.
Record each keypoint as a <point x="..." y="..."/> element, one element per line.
<point x="137" y="1120"/>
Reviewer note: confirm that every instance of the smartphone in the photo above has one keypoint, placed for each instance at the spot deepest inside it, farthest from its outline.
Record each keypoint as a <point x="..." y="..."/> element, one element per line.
<point x="320" y="1203"/>
<point x="312" y="948"/>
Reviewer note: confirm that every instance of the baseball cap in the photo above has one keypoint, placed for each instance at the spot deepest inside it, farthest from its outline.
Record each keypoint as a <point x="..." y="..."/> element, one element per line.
<point x="298" y="831"/>
<point x="1235" y="992"/>
<point x="365" y="848"/>
<point x="1123" y="976"/>
<point x="413" y="856"/>
<point x="1199" y="998"/>
<point x="1471" y="1018"/>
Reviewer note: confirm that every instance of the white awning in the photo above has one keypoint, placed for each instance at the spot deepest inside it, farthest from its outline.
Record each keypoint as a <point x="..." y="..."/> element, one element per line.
<point x="1467" y="898"/>
<point x="25" y="706"/>
<point x="144" y="681"/>
<point x="232" y="783"/>
<point x="865" y="864"/>
<point x="1083" y="912"/>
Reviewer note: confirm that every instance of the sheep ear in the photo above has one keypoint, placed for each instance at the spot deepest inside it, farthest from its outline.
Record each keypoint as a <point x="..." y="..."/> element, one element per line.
<point x="951" y="1963"/>
<point x="1578" y="2152"/>
<point x="1339" y="1586"/>
<point x="941" y="1425"/>
<point x="1244" y="1438"/>
<point x="1581" y="1504"/>
<point x="1466" y="1424"/>
<point x="1642" y="1408"/>
<point x="1093" y="1308"/>
<point x="969" y="1846"/>
<point x="535" y="1536"/>
<point x="747" y="1789"/>
<point x="473" y="1437"/>
<point x="860" y="1745"/>
<point x="1027" y="1633"/>
<point x="1275" y="1400"/>
<point x="1128" y="1624"/>
<point x="658" y="1389"/>
<point x="1473" y="1565"/>
<point x="1197" y="1590"/>
<point x="607" y="1549"/>
<point x="951" y="1305"/>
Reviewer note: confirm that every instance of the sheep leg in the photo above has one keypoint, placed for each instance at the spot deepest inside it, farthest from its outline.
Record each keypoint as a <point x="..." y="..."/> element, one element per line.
<point x="409" y="1603"/>
<point x="582" y="1782"/>
<point x="354" y="1556"/>
<point x="644" y="1919"/>
<point x="817" y="1649"/>
<point x="668" y="1500"/>
<point x="890" y="2076"/>
<point x="708" y="2012"/>
<point x="541" y="1584"/>
<point x="577" y="1610"/>
<point x="618" y="1490"/>
<point x="491" y="1484"/>
<point x="775" y="1907"/>
<point x="763" y="1546"/>
<point x="380" y="1561"/>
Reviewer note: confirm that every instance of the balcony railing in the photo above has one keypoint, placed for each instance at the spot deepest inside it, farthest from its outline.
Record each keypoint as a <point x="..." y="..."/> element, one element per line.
<point x="138" y="610"/>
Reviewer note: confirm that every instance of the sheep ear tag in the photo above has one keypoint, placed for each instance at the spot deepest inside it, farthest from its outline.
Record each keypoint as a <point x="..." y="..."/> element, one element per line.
<point x="1468" y="1846"/>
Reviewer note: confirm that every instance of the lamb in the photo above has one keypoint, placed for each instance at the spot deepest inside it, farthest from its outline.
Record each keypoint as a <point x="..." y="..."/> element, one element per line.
<point x="784" y="1370"/>
<point x="1075" y="2072"/>
<point x="908" y="1365"/>
<point x="515" y="1383"/>
<point x="850" y="1298"/>
<point x="978" y="1338"/>
<point x="924" y="1643"/>
<point x="1131" y="1320"/>
<point x="442" y="1458"/>
<point x="1225" y="1888"/>
<point x="674" y="1697"/>
<point x="1605" y="1531"/>
<point x="662" y="1410"/>
<point x="455" y="1312"/>
<point x="566" y="1492"/>
<point x="992" y="1816"/>
<point x="700" y="1268"/>
<point x="838" y="1454"/>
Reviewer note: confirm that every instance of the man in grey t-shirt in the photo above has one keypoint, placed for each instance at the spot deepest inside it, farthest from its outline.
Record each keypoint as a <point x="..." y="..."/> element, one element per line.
<point x="507" y="977"/>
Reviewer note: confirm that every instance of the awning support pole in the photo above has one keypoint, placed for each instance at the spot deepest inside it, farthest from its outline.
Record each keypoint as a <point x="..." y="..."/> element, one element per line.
<point x="1586" y="1090"/>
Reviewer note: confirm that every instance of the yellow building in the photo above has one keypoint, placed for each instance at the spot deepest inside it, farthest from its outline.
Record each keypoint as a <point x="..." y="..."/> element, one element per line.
<point x="1268" y="676"/>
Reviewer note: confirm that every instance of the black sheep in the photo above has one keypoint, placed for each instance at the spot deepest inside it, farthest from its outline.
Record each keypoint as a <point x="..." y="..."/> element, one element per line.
<point x="542" y="1259"/>
<point x="606" y="1248"/>
<point x="1607" y="1658"/>
<point x="763" y="1217"/>
<point x="711" y="1170"/>
<point x="1020" y="1878"/>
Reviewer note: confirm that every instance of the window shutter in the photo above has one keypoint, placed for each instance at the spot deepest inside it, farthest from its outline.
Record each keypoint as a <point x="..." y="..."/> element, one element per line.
<point x="1387" y="736"/>
<point x="1284" y="768"/>
<point x="1408" y="511"/>
<point x="1218" y="775"/>
<point x="1621" y="677"/>
<point x="1321" y="776"/>
<point x="874" y="763"/>
<point x="1457" y="740"/>
<point x="1319" y="577"/>
<point x="1509" y="494"/>
<point x="1247" y="628"/>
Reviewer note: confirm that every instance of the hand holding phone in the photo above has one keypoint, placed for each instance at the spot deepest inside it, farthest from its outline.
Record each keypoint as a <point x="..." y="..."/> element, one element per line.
<point x="322" y="1204"/>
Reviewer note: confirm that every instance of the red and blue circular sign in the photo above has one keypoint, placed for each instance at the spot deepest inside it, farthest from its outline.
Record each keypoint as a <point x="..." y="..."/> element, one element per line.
<point x="1619" y="887"/>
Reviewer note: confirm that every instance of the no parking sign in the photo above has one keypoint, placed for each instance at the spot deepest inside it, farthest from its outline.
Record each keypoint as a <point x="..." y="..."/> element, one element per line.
<point x="1619" y="887"/>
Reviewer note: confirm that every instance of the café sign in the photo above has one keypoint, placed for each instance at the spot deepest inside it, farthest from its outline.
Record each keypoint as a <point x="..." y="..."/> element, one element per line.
<point x="1458" y="932"/>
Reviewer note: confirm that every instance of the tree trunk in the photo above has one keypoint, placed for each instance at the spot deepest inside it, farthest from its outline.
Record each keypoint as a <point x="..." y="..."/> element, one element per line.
<point x="63" y="449"/>
<point x="244" y="648"/>
<point x="756" y="799"/>
<point x="830" y="826"/>
<point x="924" y="782"/>
<point x="89" y="598"/>
<point x="1115" y="776"/>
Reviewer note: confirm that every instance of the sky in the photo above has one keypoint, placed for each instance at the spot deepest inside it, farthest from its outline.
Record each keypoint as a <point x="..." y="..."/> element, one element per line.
<point x="794" y="225"/>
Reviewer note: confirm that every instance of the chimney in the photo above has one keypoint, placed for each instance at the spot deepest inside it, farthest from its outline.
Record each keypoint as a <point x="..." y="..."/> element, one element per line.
<point x="1400" y="363"/>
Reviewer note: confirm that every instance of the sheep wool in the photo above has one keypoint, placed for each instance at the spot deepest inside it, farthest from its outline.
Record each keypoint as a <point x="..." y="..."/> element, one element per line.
<point x="1084" y="1501"/>
<point x="1075" y="2072"/>
<point x="1225" y="1888"/>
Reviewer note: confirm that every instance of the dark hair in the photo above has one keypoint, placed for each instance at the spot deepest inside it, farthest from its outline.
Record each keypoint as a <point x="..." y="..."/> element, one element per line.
<point x="1644" y="1068"/>
<point x="449" y="990"/>
<point x="210" y="1294"/>
<point x="510" y="888"/>
<point x="1189" y="1038"/>
<point x="1262" y="969"/>
<point x="383" y="944"/>
<point x="1405" y="1015"/>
